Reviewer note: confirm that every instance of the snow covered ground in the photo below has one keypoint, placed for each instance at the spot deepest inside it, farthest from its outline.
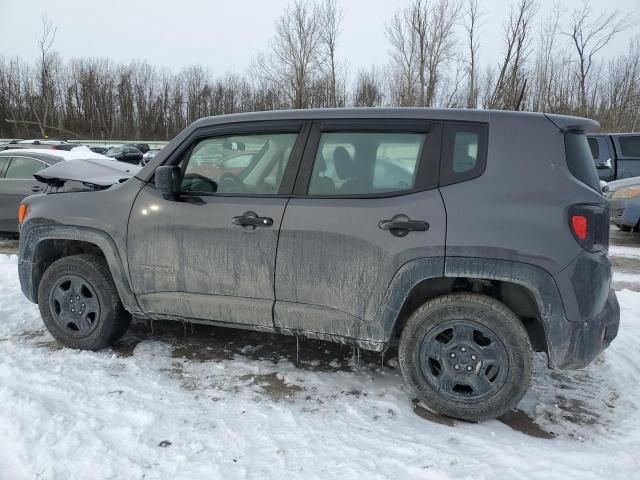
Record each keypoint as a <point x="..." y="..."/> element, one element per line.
<point x="226" y="404"/>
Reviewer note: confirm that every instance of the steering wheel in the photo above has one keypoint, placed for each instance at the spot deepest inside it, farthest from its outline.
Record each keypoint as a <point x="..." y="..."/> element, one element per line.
<point x="230" y="183"/>
<point x="196" y="178"/>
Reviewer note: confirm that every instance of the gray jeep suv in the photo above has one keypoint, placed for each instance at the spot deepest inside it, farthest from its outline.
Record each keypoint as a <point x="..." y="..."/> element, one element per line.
<point x="470" y="239"/>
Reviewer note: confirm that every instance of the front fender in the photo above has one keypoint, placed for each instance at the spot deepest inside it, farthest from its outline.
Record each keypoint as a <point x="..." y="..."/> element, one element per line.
<point x="33" y="232"/>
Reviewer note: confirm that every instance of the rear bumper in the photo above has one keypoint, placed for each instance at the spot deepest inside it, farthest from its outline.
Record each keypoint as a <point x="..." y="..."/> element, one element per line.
<point x="585" y="340"/>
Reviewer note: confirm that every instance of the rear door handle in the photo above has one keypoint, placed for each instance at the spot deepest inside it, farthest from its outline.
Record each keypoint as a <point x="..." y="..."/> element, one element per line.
<point x="251" y="219"/>
<point x="400" y="225"/>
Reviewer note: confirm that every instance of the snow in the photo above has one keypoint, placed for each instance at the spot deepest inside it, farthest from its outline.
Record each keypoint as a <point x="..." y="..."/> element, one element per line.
<point x="74" y="154"/>
<point x="154" y="408"/>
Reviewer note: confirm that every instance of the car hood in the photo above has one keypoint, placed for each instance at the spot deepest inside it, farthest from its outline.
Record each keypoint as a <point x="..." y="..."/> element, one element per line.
<point x="92" y="171"/>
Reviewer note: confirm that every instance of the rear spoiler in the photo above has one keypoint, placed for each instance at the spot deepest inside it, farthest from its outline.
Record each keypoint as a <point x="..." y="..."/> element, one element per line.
<point x="567" y="123"/>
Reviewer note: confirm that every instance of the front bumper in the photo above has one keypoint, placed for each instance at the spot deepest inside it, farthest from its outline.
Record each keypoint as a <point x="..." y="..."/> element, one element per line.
<point x="585" y="340"/>
<point x="624" y="212"/>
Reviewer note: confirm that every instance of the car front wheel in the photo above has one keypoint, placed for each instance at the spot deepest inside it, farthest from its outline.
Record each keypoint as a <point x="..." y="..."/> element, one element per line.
<point x="466" y="356"/>
<point x="79" y="303"/>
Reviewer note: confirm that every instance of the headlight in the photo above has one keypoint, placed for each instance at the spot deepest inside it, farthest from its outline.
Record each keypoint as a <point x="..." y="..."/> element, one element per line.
<point x="631" y="192"/>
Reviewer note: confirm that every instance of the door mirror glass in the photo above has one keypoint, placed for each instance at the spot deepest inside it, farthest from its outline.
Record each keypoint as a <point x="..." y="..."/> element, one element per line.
<point x="168" y="180"/>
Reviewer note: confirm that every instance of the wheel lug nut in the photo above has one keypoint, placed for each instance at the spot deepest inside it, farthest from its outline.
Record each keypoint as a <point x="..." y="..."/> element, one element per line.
<point x="77" y="297"/>
<point x="453" y="355"/>
<point x="463" y="349"/>
<point x="73" y="310"/>
<point x="457" y="367"/>
<point x="473" y="357"/>
<point x="469" y="368"/>
<point x="71" y="300"/>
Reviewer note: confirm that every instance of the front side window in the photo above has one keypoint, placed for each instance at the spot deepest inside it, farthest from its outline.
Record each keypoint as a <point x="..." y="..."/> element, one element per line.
<point x="366" y="163"/>
<point x="24" y="168"/>
<point x="239" y="164"/>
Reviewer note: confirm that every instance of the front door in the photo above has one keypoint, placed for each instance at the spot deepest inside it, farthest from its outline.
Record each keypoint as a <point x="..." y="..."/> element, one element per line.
<point x="366" y="203"/>
<point x="209" y="253"/>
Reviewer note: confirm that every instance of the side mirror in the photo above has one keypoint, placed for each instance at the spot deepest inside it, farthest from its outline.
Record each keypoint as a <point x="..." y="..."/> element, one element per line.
<point x="168" y="180"/>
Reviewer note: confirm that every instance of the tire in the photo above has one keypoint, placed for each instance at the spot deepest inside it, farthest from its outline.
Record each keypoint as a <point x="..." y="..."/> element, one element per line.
<point x="466" y="356"/>
<point x="79" y="303"/>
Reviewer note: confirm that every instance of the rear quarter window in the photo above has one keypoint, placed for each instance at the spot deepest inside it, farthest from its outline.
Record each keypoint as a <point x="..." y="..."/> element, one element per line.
<point x="579" y="159"/>
<point x="464" y="152"/>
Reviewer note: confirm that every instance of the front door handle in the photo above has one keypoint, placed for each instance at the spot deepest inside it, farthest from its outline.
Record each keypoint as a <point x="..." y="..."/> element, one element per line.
<point x="400" y="225"/>
<point x="251" y="219"/>
<point x="37" y="188"/>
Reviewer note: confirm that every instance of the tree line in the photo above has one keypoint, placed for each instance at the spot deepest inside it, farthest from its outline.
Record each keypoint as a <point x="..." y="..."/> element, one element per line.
<point x="551" y="61"/>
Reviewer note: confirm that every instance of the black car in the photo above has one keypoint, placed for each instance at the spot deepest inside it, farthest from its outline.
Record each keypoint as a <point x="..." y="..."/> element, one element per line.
<point x="125" y="154"/>
<point x="143" y="147"/>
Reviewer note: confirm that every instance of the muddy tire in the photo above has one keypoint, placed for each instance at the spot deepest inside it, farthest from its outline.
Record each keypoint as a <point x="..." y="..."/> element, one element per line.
<point x="466" y="356"/>
<point x="79" y="303"/>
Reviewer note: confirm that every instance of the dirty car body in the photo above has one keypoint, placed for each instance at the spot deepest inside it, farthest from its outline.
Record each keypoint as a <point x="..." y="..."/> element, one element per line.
<point x="315" y="237"/>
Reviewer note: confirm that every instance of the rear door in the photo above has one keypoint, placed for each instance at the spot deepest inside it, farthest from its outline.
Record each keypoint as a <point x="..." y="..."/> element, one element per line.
<point x="209" y="253"/>
<point x="366" y="202"/>
<point x="16" y="183"/>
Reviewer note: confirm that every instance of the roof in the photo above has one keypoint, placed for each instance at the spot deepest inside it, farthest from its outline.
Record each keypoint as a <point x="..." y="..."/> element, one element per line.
<point x="460" y="114"/>
<point x="54" y="154"/>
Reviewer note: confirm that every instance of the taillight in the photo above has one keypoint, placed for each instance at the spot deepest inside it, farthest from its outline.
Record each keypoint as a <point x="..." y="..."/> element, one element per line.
<point x="589" y="225"/>
<point x="22" y="213"/>
<point x="580" y="226"/>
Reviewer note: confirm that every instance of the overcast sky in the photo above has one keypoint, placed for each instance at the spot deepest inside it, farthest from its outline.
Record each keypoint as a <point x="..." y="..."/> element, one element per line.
<point x="225" y="35"/>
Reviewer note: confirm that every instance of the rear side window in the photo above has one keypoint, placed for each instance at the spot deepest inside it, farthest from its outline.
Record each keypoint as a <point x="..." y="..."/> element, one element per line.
<point x="464" y="152"/>
<point x="366" y="163"/>
<point x="630" y="146"/>
<point x="594" y="146"/>
<point x="24" y="168"/>
<point x="580" y="160"/>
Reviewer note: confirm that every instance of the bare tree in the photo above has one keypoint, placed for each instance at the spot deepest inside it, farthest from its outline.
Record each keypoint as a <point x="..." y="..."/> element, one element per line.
<point x="589" y="35"/>
<point x="295" y="56"/>
<point x="42" y="105"/>
<point x="404" y="58"/>
<point x="471" y="18"/>
<point x="368" y="90"/>
<point x="422" y="39"/>
<point x="330" y="30"/>
<point x="510" y="84"/>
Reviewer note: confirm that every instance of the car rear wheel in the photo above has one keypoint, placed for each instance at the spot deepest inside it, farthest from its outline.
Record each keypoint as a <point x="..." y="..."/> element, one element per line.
<point x="466" y="356"/>
<point x="79" y="303"/>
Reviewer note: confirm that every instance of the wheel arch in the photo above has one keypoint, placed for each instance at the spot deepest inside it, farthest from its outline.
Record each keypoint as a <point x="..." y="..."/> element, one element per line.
<point x="529" y="291"/>
<point x="41" y="245"/>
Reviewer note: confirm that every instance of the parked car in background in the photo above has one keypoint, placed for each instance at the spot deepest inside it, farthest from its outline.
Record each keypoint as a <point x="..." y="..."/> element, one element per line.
<point x="17" y="170"/>
<point x="613" y="187"/>
<point x="125" y="154"/>
<point x="370" y="227"/>
<point x="98" y="149"/>
<point x="143" y="147"/>
<point x="616" y="155"/>
<point x="38" y="144"/>
<point x="624" y="208"/>
<point x="148" y="156"/>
